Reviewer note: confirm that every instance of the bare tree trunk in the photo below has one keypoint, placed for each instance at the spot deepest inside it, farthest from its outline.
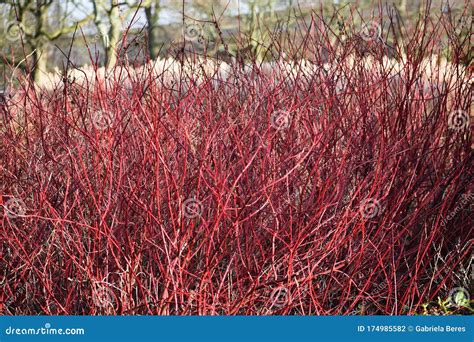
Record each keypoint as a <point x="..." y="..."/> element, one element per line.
<point x="40" y="63"/>
<point x="109" y="32"/>
<point x="152" y="13"/>
<point x="38" y="32"/>
<point x="260" y="18"/>
<point x="403" y="8"/>
<point x="113" y="35"/>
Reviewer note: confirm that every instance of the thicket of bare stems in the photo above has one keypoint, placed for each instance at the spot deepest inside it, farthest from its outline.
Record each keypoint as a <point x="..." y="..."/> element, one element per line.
<point x="319" y="182"/>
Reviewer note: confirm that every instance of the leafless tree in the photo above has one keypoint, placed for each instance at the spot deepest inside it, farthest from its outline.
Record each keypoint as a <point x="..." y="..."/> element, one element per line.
<point x="34" y="27"/>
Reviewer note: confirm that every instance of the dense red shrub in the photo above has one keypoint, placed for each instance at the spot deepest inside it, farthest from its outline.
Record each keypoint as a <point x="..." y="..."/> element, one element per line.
<point x="295" y="187"/>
